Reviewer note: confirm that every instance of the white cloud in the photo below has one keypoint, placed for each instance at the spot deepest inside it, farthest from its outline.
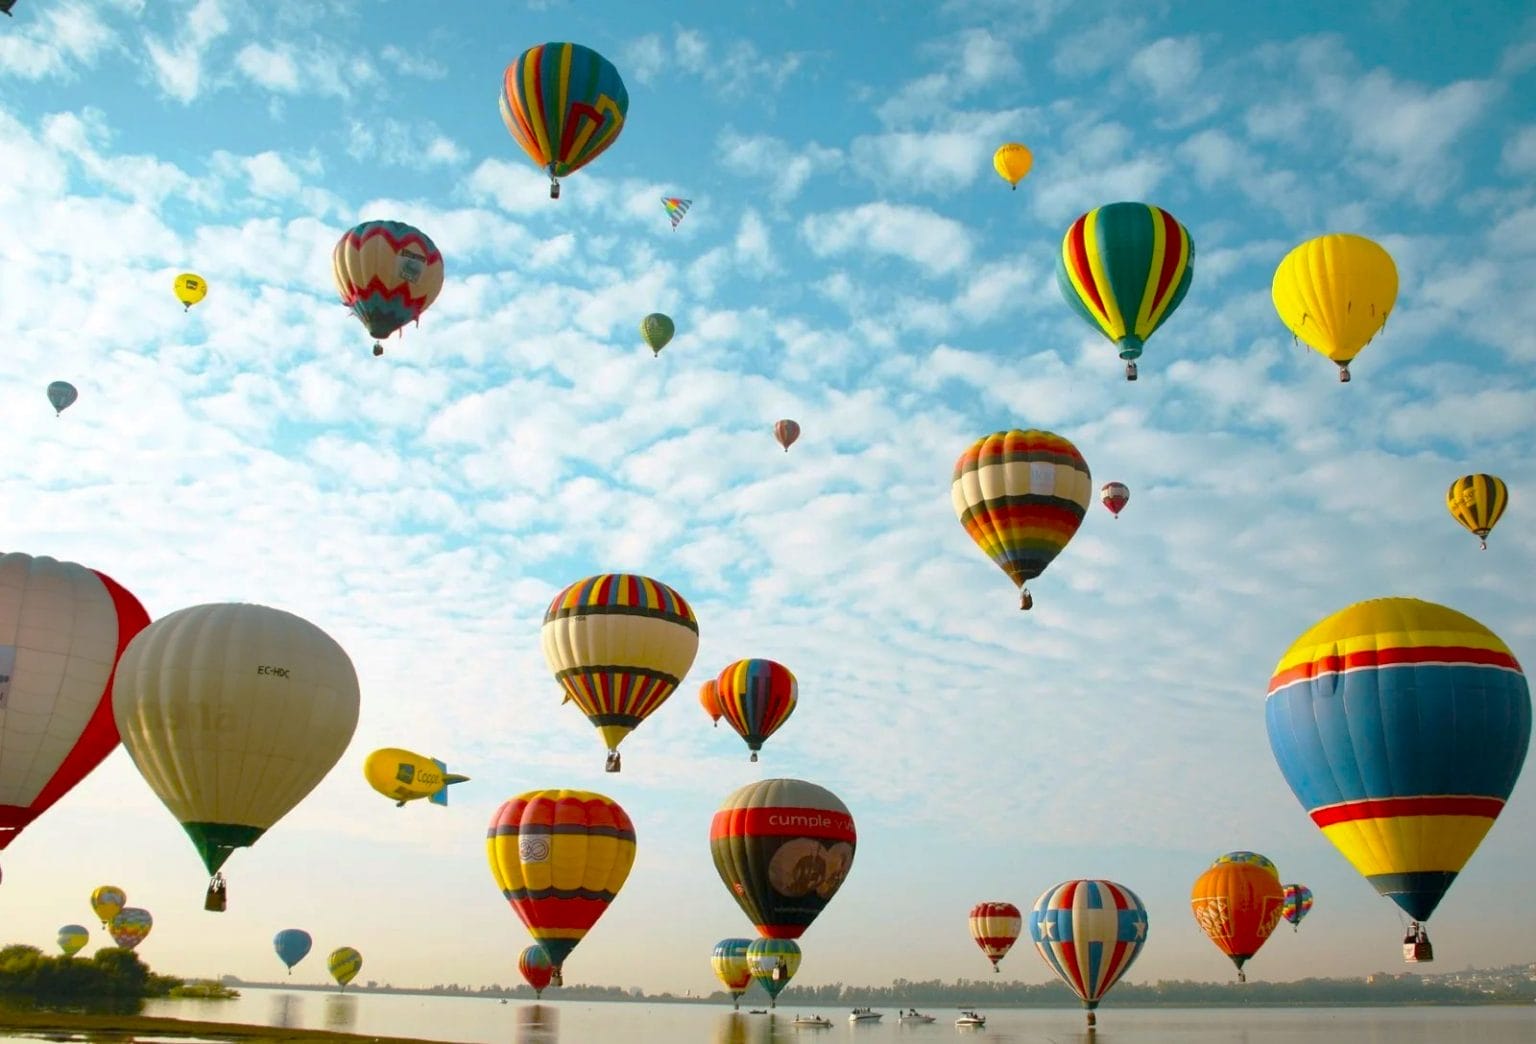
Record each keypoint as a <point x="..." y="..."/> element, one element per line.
<point x="178" y="66"/>
<point x="1519" y="154"/>
<point x="935" y="243"/>
<point x="787" y="169"/>
<point x="59" y="39"/>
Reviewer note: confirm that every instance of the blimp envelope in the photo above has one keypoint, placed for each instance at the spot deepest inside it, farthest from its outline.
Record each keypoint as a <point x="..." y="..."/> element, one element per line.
<point x="405" y="776"/>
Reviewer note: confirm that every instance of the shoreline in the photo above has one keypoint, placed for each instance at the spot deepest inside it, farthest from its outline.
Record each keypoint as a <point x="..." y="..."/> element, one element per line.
<point x="123" y="1029"/>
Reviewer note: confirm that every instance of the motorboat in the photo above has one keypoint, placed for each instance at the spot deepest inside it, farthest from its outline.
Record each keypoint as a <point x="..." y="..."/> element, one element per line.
<point x="971" y="1018"/>
<point x="812" y="1020"/>
<point x="863" y="1015"/>
<point x="912" y="1015"/>
<point x="757" y="1011"/>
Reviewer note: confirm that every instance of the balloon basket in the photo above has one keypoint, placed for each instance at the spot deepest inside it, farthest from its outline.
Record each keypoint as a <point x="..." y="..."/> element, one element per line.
<point x="378" y="349"/>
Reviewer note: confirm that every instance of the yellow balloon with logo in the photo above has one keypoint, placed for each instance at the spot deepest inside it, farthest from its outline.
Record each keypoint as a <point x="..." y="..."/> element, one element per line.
<point x="1477" y="502"/>
<point x="1335" y="293"/>
<point x="1012" y="162"/>
<point x="190" y="288"/>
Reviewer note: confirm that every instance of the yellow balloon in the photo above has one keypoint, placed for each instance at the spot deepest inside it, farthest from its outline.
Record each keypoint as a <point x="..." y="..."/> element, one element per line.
<point x="1477" y="501"/>
<point x="1012" y="162"/>
<point x="108" y="901"/>
<point x="1335" y="293"/>
<point x="190" y="288"/>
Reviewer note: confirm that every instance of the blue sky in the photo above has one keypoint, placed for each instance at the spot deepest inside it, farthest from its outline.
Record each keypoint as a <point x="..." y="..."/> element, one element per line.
<point x="850" y="261"/>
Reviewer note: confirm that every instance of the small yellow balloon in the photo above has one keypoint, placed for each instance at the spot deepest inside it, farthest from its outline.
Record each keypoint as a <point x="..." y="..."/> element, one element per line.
<point x="1477" y="501"/>
<point x="190" y="288"/>
<point x="1013" y="161"/>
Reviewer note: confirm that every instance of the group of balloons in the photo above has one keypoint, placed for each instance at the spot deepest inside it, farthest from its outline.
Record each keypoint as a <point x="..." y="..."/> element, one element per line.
<point x="293" y="945"/>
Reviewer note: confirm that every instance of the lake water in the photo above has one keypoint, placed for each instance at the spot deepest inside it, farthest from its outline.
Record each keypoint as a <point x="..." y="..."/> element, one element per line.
<point x="580" y="1022"/>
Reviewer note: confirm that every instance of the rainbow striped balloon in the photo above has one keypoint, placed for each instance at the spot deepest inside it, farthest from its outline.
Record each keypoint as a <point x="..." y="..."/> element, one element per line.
<point x="565" y="104"/>
<point x="1295" y="903"/>
<point x="755" y="697"/>
<point x="1401" y="727"/>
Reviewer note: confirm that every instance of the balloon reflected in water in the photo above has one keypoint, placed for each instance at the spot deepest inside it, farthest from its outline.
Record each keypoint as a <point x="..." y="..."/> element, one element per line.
<point x="538" y="1024"/>
<point x="340" y="1012"/>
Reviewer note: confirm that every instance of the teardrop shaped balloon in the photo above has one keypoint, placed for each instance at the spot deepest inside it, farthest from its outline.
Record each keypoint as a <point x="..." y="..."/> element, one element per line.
<point x="785" y="433"/>
<point x="190" y="288"/>
<point x="657" y="330"/>
<point x="1297" y="903"/>
<point x="1021" y="496"/>
<point x="130" y="927"/>
<point x="292" y="946"/>
<point x="233" y="713"/>
<point x="1089" y="933"/>
<point x="755" y="698"/>
<point x="995" y="927"/>
<point x="1477" y="502"/>
<point x="1237" y="906"/>
<point x="709" y="699"/>
<point x="1334" y="293"/>
<point x="783" y="848"/>
<point x="560" y="857"/>
<point x="1401" y="727"/>
<point x="387" y="273"/>
<point x="773" y="963"/>
<point x="62" y="395"/>
<point x="729" y="962"/>
<point x="1125" y="268"/>
<point x="344" y="963"/>
<point x="565" y="104"/>
<point x="72" y="939"/>
<point x="1012" y="162"/>
<point x="619" y="644"/>
<point x="1114" y="496"/>
<point x="536" y="968"/>
<point x="108" y="901"/>
<point x="63" y="628"/>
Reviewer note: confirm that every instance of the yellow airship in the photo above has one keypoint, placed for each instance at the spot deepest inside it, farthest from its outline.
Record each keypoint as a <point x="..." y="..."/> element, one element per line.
<point x="404" y="776"/>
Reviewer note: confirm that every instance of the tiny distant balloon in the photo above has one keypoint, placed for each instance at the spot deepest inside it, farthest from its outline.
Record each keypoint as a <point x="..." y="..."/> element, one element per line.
<point x="1012" y="162"/>
<point x="292" y="946"/>
<point x="62" y="395"/>
<point x="1297" y="903"/>
<point x="72" y="939"/>
<point x="130" y="926"/>
<point x="1478" y="502"/>
<point x="786" y="432"/>
<point x="773" y="963"/>
<point x="344" y="963"/>
<point x="1115" y="495"/>
<point x="676" y="208"/>
<point x="657" y="330"/>
<point x="190" y="288"/>
<point x="536" y="968"/>
<point x="108" y="901"/>
<point x="709" y="699"/>
<point x="403" y="776"/>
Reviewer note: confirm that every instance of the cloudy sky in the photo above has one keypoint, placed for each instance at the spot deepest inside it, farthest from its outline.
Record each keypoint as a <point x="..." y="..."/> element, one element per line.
<point x="851" y="261"/>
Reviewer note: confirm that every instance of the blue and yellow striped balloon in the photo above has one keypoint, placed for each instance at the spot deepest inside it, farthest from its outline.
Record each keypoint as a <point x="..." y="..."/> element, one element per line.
<point x="344" y="963"/>
<point x="1401" y="726"/>
<point x="773" y="963"/>
<point x="565" y="104"/>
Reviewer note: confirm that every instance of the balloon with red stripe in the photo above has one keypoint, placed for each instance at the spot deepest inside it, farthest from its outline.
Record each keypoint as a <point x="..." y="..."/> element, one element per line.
<point x="995" y="927"/>
<point x="783" y="848"/>
<point x="755" y="697"/>
<point x="1090" y="933"/>
<point x="1401" y="727"/>
<point x="536" y="968"/>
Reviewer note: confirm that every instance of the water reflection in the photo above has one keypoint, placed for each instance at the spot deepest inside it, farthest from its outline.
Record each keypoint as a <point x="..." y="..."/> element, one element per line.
<point x="285" y="1012"/>
<point x="538" y="1024"/>
<point x="774" y="1028"/>
<point x="340" y="1012"/>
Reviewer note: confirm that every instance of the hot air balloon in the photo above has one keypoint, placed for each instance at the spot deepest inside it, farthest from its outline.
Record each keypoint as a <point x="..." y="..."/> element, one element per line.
<point x="657" y="330"/>
<point x="786" y="432"/>
<point x="676" y="208"/>
<point x="729" y="962"/>
<point x="1296" y="903"/>
<point x="1401" y="727"/>
<point x="995" y="926"/>
<point x="755" y="698"/>
<point x="619" y="644"/>
<point x="565" y="105"/>
<point x="190" y="288"/>
<point x="536" y="968"/>
<point x="1012" y="161"/>
<point x="387" y="273"/>
<point x="1089" y="932"/>
<point x="1115" y="495"/>
<point x="1243" y="856"/>
<point x="773" y="963"/>
<point x="62" y="394"/>
<point x="1335" y="293"/>
<point x="292" y="946"/>
<point x="1124" y="268"/>
<point x="709" y="699"/>
<point x="130" y="926"/>
<point x="62" y="629"/>
<point x="783" y="848"/>
<point x="344" y="963"/>
<point x="1237" y="905"/>
<point x="1021" y="496"/>
<point x="403" y="776"/>
<point x="232" y="713"/>
<point x="72" y="939"/>
<point x="1477" y="502"/>
<point x="108" y="901"/>
<point x="560" y="857"/>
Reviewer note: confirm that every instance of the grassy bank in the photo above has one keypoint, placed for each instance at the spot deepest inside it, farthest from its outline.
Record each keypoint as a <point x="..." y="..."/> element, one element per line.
<point x="122" y="1029"/>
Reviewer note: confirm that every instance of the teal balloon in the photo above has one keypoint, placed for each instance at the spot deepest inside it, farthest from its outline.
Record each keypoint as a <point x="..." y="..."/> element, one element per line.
<point x="292" y="944"/>
<point x="62" y="394"/>
<point x="773" y="962"/>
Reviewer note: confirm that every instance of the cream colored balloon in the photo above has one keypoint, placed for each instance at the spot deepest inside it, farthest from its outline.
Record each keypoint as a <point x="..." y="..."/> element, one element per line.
<point x="233" y="713"/>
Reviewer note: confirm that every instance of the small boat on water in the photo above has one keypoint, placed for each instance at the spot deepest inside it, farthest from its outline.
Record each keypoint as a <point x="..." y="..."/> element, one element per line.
<point x="863" y="1015"/>
<point x="757" y="1011"/>
<point x="812" y="1020"/>
<point x="913" y="1015"/>
<point x="971" y="1018"/>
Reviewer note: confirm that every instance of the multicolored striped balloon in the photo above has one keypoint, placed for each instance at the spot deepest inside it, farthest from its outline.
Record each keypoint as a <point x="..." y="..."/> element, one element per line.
<point x="756" y="697"/>
<point x="536" y="968"/>
<point x="344" y="963"/>
<point x="1089" y="932"/>
<point x="559" y="857"/>
<point x="785" y="433"/>
<point x="729" y="962"/>
<point x="995" y="927"/>
<point x="1296" y="903"/>
<point x="619" y="644"/>
<point x="565" y="104"/>
<point x="130" y="927"/>
<point x="1124" y="268"/>
<point x="387" y="273"/>
<point x="1237" y="905"/>
<point x="1401" y="727"/>
<point x="773" y="963"/>
<point x="1021" y="496"/>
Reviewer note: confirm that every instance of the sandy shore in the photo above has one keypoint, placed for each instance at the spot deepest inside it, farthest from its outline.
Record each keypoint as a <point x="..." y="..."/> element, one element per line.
<point x="123" y="1029"/>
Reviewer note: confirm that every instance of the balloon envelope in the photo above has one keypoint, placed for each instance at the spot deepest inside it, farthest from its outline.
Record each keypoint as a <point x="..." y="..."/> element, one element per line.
<point x="292" y="945"/>
<point x="1237" y="905"/>
<point x="773" y="963"/>
<point x="729" y="962"/>
<point x="72" y="939"/>
<point x="1334" y="293"/>
<point x="1089" y="933"/>
<point x="756" y="697"/>
<point x="1297" y="903"/>
<point x="62" y="394"/>
<point x="995" y="927"/>
<point x="1012" y="162"/>
<point x="344" y="963"/>
<point x="1115" y="495"/>
<point x="190" y="288"/>
<point x="657" y="330"/>
<point x="536" y="968"/>
<point x="564" y="104"/>
<point x="1477" y="502"/>
<point x="130" y="927"/>
<point x="709" y="699"/>
<point x="1401" y="727"/>
<point x="387" y="273"/>
<point x="107" y="901"/>
<point x="785" y="433"/>
<point x="1243" y="856"/>
<point x="63" y="628"/>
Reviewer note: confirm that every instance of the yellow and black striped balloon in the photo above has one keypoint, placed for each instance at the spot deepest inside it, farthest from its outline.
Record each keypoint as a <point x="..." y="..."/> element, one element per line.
<point x="1477" y="501"/>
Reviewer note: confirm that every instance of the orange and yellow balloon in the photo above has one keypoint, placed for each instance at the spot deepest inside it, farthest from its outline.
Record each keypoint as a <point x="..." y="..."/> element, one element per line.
<point x="1335" y="293"/>
<point x="1237" y="905"/>
<point x="709" y="699"/>
<point x="1478" y="502"/>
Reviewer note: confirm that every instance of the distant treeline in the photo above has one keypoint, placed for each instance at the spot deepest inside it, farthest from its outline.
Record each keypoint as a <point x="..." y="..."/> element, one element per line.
<point x="110" y="974"/>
